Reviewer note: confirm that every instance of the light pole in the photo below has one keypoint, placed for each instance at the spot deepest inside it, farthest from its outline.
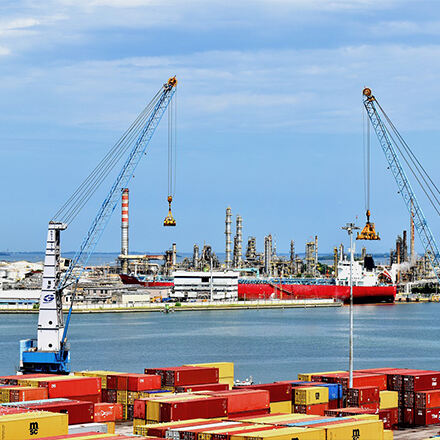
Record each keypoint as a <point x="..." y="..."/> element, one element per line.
<point x="350" y="227"/>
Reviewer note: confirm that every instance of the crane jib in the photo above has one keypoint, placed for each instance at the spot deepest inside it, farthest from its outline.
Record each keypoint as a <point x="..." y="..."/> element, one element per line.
<point x="405" y="189"/>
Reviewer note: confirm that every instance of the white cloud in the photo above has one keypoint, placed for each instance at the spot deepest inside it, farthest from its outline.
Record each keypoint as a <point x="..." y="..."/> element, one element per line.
<point x="404" y="28"/>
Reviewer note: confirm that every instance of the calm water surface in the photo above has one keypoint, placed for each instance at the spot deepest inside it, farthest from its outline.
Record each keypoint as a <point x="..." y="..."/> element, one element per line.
<point x="267" y="344"/>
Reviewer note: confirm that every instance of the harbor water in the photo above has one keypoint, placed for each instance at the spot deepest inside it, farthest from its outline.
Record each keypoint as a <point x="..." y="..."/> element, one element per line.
<point x="267" y="344"/>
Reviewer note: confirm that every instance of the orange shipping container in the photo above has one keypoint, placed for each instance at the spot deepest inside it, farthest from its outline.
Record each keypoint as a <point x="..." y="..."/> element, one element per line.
<point x="245" y="400"/>
<point x="25" y="394"/>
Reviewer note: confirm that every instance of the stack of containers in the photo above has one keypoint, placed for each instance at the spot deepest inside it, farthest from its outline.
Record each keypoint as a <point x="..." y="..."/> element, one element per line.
<point x="334" y="391"/>
<point x="280" y="395"/>
<point x="173" y="377"/>
<point x="389" y="408"/>
<point x="125" y="388"/>
<point x="311" y="400"/>
<point x="225" y="371"/>
<point x="415" y="384"/>
<point x="103" y="376"/>
<point x="364" y="397"/>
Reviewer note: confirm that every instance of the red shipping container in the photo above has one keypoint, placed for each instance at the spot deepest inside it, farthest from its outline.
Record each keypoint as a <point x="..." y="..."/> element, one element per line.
<point x="203" y="387"/>
<point x="429" y="380"/>
<point x="140" y="408"/>
<point x="112" y="396"/>
<point x="361" y="395"/>
<point x="408" y="416"/>
<point x="112" y="380"/>
<point x="107" y="412"/>
<point x="75" y="386"/>
<point x="359" y="380"/>
<point x="144" y="382"/>
<point x="78" y="412"/>
<point x="333" y="404"/>
<point x="104" y="395"/>
<point x="426" y="416"/>
<point x="318" y="409"/>
<point x="408" y="399"/>
<point x="395" y="378"/>
<point x="427" y="399"/>
<point x="206" y="408"/>
<point x="390" y="417"/>
<point x="180" y="376"/>
<point x="278" y="391"/>
<point x="245" y="400"/>
<point x="4" y="410"/>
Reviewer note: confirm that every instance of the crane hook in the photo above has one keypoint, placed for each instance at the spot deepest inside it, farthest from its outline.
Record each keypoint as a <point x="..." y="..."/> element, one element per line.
<point x="169" y="219"/>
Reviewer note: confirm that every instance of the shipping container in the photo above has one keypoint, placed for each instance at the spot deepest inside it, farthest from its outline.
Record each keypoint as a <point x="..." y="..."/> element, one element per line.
<point x="180" y="376"/>
<point x="284" y="434"/>
<point x="359" y="430"/>
<point x="311" y="395"/>
<point x="245" y="400"/>
<point x="427" y="399"/>
<point x="225" y="369"/>
<point x="362" y="395"/>
<point x="308" y="376"/>
<point x="428" y="380"/>
<point x="36" y="424"/>
<point x="209" y="407"/>
<point x="426" y="416"/>
<point x="78" y="412"/>
<point x="278" y="391"/>
<point x="107" y="412"/>
<point x="389" y="399"/>
<point x="72" y="386"/>
<point x="281" y="407"/>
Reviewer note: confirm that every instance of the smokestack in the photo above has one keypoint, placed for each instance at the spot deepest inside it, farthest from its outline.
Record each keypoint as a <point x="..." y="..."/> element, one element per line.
<point x="335" y="261"/>
<point x="196" y="257"/>
<point x="292" y="252"/>
<point x="124" y="229"/>
<point x="267" y="255"/>
<point x="228" y="237"/>
<point x="239" y="239"/>
<point x="174" y="255"/>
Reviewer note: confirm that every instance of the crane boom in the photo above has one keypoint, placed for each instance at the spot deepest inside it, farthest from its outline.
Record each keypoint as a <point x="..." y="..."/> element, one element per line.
<point x="52" y="351"/>
<point x="405" y="189"/>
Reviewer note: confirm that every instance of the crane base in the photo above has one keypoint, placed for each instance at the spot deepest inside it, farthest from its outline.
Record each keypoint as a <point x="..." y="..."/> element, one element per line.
<point x="43" y="361"/>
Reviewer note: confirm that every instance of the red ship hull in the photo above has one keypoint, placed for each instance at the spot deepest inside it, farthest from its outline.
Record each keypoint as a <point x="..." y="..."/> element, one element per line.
<point x="361" y="294"/>
<point x="268" y="290"/>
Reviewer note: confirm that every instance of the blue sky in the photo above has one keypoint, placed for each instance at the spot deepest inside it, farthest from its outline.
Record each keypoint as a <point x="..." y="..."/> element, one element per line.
<point x="269" y="114"/>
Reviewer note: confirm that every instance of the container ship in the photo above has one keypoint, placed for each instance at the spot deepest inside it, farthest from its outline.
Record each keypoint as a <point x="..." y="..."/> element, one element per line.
<point x="369" y="285"/>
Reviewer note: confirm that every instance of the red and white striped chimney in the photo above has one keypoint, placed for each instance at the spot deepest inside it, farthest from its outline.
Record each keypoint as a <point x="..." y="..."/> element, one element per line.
<point x="124" y="229"/>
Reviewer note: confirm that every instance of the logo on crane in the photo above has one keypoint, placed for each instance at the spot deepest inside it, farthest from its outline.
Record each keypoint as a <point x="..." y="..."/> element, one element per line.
<point x="48" y="298"/>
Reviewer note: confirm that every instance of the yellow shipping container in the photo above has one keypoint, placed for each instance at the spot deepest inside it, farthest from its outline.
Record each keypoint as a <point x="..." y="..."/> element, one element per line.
<point x="311" y="395"/>
<point x="308" y="376"/>
<point x="225" y="369"/>
<point x="121" y="396"/>
<point x="359" y="430"/>
<point x="283" y="434"/>
<point x="388" y="434"/>
<point x="25" y="382"/>
<point x="131" y="396"/>
<point x="389" y="399"/>
<point x="281" y="407"/>
<point x="36" y="424"/>
<point x="227" y="380"/>
<point x="111" y="427"/>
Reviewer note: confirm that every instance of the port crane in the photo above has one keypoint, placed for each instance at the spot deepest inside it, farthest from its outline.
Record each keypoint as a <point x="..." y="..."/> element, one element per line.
<point x="50" y="352"/>
<point x="391" y="141"/>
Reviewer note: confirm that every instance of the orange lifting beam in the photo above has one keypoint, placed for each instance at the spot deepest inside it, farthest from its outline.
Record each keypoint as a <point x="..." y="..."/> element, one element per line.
<point x="369" y="231"/>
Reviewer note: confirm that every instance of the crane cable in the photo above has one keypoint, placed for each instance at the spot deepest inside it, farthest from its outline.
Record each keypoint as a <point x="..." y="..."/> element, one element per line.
<point x="84" y="192"/>
<point x="367" y="160"/>
<point x="416" y="165"/>
<point x="172" y="144"/>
